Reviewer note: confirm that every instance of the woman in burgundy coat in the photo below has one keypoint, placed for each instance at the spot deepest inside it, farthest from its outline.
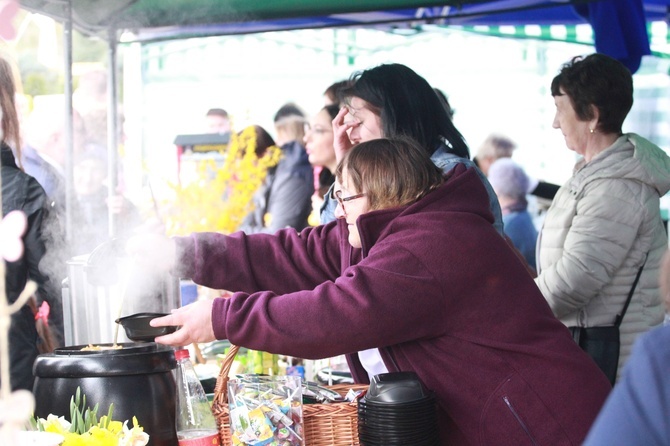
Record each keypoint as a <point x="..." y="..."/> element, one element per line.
<point x="412" y="276"/>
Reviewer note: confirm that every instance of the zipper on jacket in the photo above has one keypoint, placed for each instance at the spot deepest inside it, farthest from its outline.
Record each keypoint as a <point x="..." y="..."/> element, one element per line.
<point x="519" y="420"/>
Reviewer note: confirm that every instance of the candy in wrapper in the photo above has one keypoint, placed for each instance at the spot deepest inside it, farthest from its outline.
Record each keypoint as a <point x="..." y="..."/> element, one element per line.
<point x="283" y="433"/>
<point x="260" y="428"/>
<point x="276" y="414"/>
<point x="266" y="411"/>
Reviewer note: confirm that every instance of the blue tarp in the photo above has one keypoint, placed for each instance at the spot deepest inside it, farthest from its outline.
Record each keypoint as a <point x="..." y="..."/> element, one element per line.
<point x="619" y="25"/>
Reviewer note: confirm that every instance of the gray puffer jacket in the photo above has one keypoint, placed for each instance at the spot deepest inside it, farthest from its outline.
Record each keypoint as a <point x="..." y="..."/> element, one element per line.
<point x="601" y="224"/>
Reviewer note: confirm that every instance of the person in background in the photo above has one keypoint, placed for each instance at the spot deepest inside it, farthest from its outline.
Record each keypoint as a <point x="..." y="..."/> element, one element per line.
<point x="43" y="157"/>
<point x="605" y="220"/>
<point x="473" y="314"/>
<point x="217" y="121"/>
<point x="392" y="100"/>
<point x="21" y="192"/>
<point x="497" y="146"/>
<point x="332" y="95"/>
<point x="636" y="412"/>
<point x="44" y="154"/>
<point x="289" y="123"/>
<point x="510" y="183"/>
<point x="321" y="154"/>
<point x="284" y="199"/>
<point x="493" y="148"/>
<point x="90" y="101"/>
<point x="94" y="204"/>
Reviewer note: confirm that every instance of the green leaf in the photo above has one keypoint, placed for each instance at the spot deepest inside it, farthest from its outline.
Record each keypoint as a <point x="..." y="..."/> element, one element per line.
<point x="108" y="418"/>
<point x="83" y="418"/>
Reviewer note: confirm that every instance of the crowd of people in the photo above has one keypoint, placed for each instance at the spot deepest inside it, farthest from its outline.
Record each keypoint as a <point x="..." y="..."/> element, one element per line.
<point x="418" y="257"/>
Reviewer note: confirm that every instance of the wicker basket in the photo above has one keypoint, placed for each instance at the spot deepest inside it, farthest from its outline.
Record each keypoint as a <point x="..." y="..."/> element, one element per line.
<point x="334" y="424"/>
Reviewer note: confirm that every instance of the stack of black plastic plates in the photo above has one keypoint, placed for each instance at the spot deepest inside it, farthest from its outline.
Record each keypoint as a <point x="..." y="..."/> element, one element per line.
<point x="397" y="410"/>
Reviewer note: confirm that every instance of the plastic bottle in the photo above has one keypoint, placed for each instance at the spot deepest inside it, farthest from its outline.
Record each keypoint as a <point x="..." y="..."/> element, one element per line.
<point x="195" y="423"/>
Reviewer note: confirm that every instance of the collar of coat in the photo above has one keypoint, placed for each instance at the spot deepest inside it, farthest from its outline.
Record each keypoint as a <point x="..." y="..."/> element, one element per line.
<point x="631" y="157"/>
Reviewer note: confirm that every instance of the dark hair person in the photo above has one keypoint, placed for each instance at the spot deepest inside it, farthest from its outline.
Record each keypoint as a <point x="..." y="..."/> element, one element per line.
<point x="413" y="109"/>
<point x="11" y="133"/>
<point x="605" y="220"/>
<point x="392" y="100"/>
<point x="466" y="318"/>
<point x="21" y="192"/>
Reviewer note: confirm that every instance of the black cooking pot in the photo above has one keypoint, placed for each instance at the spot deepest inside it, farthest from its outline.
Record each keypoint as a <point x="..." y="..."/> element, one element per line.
<point x="137" y="379"/>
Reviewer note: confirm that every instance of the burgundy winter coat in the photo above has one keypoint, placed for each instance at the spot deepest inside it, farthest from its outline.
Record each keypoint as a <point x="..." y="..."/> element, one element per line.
<point x="436" y="289"/>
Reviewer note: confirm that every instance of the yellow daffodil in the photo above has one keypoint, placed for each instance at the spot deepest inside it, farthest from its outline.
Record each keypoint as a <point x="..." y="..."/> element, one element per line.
<point x="103" y="437"/>
<point x="133" y="437"/>
<point x="56" y="425"/>
<point x="116" y="427"/>
<point x="72" y="439"/>
<point x="105" y="432"/>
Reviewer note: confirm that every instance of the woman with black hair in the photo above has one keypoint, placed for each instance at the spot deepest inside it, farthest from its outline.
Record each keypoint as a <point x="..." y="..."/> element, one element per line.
<point x="392" y="100"/>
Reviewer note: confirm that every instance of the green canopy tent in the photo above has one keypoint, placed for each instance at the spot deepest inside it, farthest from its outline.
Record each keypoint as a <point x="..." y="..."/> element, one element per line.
<point x="619" y="27"/>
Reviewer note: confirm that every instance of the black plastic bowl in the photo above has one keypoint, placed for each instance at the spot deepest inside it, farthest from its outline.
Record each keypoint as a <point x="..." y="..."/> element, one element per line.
<point x="138" y="329"/>
<point x="394" y="388"/>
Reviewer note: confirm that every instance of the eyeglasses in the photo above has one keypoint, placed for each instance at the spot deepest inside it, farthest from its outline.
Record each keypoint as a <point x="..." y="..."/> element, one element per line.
<point x="342" y="200"/>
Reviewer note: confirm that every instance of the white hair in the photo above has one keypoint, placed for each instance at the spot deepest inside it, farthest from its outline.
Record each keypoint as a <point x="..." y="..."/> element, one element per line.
<point x="508" y="178"/>
<point x="496" y="146"/>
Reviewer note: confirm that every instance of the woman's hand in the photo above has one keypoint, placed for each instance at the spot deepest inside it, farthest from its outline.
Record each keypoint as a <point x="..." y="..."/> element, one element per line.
<point x="194" y="320"/>
<point x="341" y="141"/>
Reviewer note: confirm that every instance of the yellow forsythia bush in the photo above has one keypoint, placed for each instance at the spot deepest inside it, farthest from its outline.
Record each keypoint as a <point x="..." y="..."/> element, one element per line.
<point x="223" y="194"/>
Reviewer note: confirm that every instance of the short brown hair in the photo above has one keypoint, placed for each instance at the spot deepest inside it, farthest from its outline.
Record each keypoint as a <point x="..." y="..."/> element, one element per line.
<point x="597" y="81"/>
<point x="392" y="172"/>
<point x="217" y="112"/>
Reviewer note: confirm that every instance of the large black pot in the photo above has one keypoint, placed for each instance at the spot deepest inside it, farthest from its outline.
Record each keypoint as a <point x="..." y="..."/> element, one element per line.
<point x="138" y="379"/>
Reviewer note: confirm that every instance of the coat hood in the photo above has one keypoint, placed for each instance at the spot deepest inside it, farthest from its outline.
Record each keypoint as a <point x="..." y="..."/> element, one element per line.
<point x="654" y="162"/>
<point x="462" y="192"/>
<point x="630" y="157"/>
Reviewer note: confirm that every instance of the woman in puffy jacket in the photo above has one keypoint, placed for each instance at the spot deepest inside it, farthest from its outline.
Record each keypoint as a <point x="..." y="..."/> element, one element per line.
<point x="605" y="220"/>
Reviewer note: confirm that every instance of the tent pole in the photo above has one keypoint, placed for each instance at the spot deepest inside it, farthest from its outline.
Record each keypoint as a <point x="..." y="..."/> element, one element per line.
<point x="112" y="126"/>
<point x="69" y="132"/>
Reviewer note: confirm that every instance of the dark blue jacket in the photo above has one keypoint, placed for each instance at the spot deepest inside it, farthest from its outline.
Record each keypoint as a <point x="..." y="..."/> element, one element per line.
<point x="284" y="200"/>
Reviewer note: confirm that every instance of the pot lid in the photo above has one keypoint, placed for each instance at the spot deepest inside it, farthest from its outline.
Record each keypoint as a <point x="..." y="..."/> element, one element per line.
<point x="132" y="359"/>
